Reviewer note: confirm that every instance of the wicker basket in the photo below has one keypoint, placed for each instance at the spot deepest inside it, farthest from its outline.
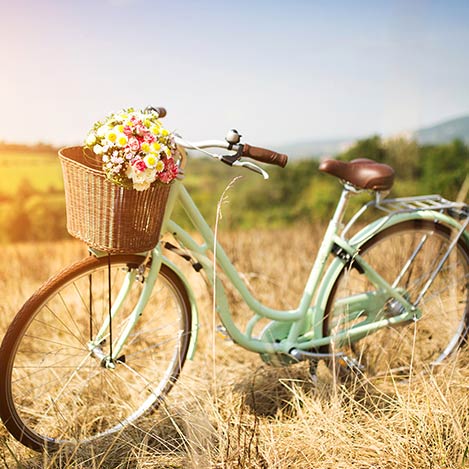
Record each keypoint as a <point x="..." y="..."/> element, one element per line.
<point x="105" y="216"/>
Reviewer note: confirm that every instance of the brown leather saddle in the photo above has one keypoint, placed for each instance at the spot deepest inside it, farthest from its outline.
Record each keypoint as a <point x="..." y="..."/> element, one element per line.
<point x="361" y="173"/>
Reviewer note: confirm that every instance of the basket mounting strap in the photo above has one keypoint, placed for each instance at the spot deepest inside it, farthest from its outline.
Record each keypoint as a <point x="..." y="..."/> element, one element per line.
<point x="180" y="252"/>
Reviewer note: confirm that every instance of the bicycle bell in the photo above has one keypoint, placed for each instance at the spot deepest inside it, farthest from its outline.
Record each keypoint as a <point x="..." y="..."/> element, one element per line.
<point x="233" y="137"/>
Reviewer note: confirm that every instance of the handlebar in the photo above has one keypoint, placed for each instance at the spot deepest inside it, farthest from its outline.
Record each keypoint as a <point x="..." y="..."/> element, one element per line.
<point x="262" y="155"/>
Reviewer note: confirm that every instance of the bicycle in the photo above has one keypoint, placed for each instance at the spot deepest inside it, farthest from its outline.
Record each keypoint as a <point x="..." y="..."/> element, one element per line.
<point x="101" y="343"/>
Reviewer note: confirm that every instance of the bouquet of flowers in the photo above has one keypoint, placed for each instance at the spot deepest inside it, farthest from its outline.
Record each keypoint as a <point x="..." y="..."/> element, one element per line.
<point x="134" y="148"/>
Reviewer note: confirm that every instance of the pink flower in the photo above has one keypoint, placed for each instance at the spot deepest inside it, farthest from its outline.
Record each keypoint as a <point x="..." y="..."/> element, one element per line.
<point x="134" y="144"/>
<point x="135" y="120"/>
<point x="165" y="177"/>
<point x="149" y="138"/>
<point x="140" y="129"/>
<point x="170" y="171"/>
<point x="128" y="130"/>
<point x="139" y="165"/>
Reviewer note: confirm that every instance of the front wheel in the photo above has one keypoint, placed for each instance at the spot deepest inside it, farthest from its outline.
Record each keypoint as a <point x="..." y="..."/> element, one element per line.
<point x="405" y="255"/>
<point x="55" y="387"/>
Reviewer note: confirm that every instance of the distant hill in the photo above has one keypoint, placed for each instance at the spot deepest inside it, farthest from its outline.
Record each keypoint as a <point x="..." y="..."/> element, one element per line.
<point x="315" y="148"/>
<point x="443" y="132"/>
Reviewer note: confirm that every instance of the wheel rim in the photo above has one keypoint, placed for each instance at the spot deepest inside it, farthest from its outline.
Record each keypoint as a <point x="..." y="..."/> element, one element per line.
<point x="409" y="348"/>
<point x="61" y="393"/>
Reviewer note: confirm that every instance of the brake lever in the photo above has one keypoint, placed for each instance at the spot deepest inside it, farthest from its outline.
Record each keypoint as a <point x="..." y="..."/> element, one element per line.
<point x="252" y="167"/>
<point x="231" y="160"/>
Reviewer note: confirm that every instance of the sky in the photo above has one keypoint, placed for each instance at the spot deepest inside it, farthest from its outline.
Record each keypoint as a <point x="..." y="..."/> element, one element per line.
<point x="278" y="71"/>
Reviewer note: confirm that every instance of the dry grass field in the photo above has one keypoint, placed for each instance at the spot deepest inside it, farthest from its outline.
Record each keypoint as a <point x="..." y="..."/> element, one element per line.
<point x="230" y="410"/>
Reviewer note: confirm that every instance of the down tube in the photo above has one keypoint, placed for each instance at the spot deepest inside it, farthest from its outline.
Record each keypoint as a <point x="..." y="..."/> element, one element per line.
<point x="227" y="267"/>
<point x="200" y="251"/>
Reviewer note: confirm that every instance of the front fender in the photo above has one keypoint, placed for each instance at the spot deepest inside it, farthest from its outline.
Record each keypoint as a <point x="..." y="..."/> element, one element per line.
<point x="194" y="309"/>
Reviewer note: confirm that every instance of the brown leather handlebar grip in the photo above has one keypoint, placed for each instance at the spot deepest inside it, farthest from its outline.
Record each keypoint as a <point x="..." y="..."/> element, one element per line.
<point x="265" y="156"/>
<point x="161" y="111"/>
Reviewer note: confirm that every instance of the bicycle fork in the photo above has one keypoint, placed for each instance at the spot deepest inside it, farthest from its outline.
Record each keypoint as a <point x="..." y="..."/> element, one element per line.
<point x="116" y="344"/>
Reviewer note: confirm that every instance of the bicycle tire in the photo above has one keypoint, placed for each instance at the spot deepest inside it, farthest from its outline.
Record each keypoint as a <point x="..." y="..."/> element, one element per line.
<point x="405" y="350"/>
<point x="53" y="390"/>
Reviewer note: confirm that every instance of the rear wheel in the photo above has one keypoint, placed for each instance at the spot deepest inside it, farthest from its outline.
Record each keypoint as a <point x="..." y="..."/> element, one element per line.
<point x="56" y="390"/>
<point x="414" y="346"/>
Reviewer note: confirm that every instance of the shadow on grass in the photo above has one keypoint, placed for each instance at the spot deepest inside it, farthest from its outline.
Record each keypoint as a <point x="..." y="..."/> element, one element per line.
<point x="270" y="392"/>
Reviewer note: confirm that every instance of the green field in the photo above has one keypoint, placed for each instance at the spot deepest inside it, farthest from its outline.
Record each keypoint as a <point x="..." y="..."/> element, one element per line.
<point x="41" y="170"/>
<point x="32" y="203"/>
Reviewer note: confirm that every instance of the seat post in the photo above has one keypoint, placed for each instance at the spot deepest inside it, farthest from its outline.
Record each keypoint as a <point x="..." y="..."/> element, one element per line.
<point x="339" y="213"/>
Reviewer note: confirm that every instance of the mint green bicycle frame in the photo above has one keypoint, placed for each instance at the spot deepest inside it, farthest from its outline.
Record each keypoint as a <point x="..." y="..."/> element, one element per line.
<point x="302" y="328"/>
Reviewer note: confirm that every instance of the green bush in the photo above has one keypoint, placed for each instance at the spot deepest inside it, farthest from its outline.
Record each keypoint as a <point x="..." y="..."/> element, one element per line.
<point x="298" y="193"/>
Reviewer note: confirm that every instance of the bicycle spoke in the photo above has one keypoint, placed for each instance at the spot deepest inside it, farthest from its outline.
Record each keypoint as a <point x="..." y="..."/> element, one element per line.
<point x="70" y="315"/>
<point x="421" y="270"/>
<point x="409" y="263"/>
<point x="59" y="389"/>
<point x="51" y="341"/>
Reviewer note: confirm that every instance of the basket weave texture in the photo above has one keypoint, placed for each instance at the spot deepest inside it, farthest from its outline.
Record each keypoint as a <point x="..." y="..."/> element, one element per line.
<point x="105" y="216"/>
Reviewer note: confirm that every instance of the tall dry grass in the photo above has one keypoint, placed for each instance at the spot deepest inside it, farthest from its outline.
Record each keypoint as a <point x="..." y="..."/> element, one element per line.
<point x="229" y="410"/>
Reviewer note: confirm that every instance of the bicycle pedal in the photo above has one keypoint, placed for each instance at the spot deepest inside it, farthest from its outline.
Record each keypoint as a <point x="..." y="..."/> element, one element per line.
<point x="351" y="364"/>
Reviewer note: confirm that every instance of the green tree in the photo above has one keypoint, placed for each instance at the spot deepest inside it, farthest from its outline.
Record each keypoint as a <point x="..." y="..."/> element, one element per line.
<point x="445" y="168"/>
<point x="404" y="156"/>
<point x="318" y="199"/>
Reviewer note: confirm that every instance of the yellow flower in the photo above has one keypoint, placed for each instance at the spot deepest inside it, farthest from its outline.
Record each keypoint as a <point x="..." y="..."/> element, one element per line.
<point x="119" y="128"/>
<point x="121" y="140"/>
<point x="164" y="132"/>
<point x="150" y="161"/>
<point x="159" y="166"/>
<point x="156" y="147"/>
<point x="111" y="136"/>
<point x="155" y="130"/>
<point x="147" y="123"/>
